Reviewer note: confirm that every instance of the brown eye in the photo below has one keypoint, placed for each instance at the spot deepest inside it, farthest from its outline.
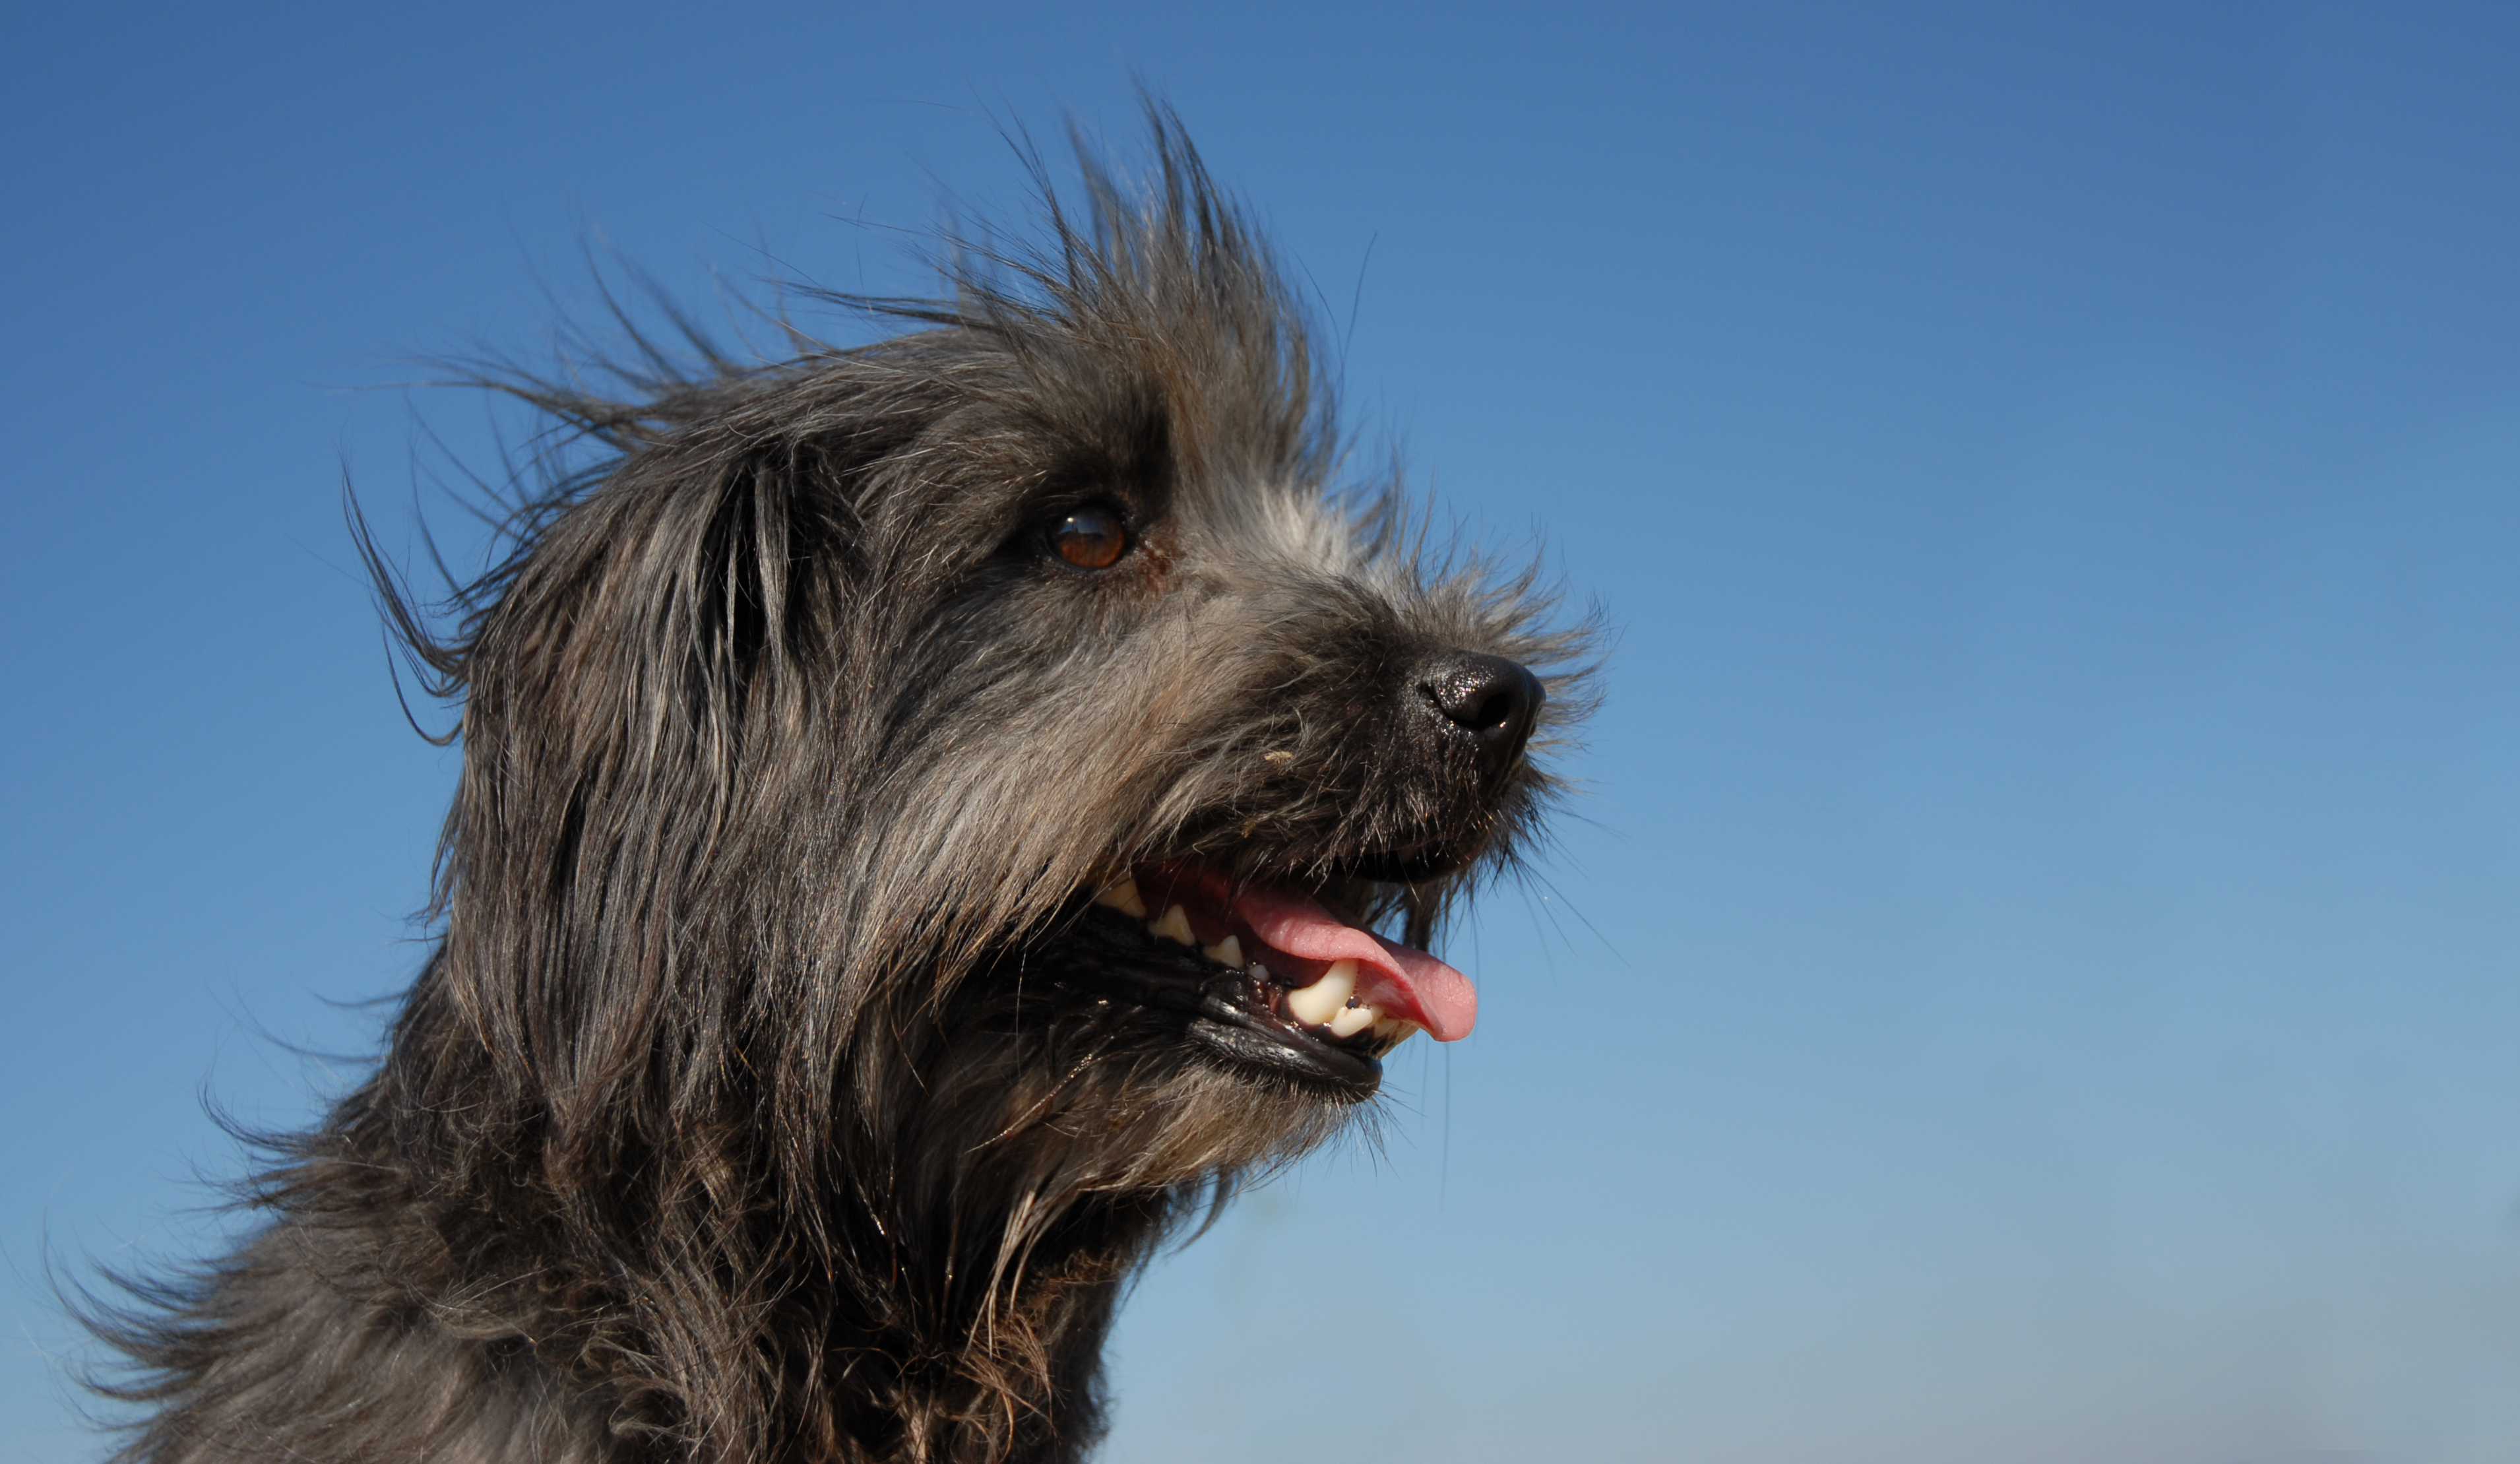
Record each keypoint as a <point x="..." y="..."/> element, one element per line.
<point x="1090" y="538"/>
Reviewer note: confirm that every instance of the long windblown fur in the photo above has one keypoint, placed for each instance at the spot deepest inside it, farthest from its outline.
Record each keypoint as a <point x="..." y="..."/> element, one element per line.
<point x="757" y="1103"/>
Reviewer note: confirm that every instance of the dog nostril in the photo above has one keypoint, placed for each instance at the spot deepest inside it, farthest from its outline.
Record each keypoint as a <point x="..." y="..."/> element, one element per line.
<point x="1492" y="700"/>
<point x="1493" y="710"/>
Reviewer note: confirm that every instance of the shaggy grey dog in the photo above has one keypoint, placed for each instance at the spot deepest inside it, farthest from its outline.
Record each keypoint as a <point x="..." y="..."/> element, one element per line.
<point x="933" y="816"/>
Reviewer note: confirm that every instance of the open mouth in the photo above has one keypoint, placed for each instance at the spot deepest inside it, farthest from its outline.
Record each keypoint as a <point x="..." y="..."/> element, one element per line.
<point x="1271" y="976"/>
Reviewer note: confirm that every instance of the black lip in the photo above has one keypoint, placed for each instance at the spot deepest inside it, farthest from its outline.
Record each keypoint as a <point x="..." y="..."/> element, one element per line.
<point x="1228" y="1012"/>
<point x="1400" y="866"/>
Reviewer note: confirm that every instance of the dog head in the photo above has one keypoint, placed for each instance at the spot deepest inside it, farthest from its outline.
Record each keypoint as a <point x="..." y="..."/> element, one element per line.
<point x="914" y="791"/>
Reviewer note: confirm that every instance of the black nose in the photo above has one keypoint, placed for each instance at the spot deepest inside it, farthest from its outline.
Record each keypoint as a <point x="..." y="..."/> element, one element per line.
<point x="1489" y="700"/>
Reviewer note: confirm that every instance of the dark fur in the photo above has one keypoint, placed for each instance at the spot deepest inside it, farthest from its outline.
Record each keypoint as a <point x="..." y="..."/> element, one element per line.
<point x="757" y="1104"/>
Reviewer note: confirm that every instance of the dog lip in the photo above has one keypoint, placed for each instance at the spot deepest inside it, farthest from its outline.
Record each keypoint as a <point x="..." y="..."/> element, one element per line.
<point x="1401" y="866"/>
<point x="1255" y="1038"/>
<point x="1229" y="1011"/>
<point x="1302" y="936"/>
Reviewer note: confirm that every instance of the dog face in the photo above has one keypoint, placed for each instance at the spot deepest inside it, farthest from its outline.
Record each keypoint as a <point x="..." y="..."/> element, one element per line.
<point x="1180" y="734"/>
<point x="1233" y="736"/>
<point x="1276" y="738"/>
<point x="1056" y="751"/>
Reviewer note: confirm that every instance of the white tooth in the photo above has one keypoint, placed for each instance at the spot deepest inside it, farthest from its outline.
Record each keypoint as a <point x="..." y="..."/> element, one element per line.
<point x="1324" y="998"/>
<point x="1353" y="1020"/>
<point x="1175" y="926"/>
<point x="1391" y="1031"/>
<point x="1226" y="952"/>
<point x="1259" y="972"/>
<point x="1124" y="897"/>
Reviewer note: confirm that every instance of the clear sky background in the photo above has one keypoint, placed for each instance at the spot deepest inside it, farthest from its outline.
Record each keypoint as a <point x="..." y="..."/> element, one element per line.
<point x="2034" y="977"/>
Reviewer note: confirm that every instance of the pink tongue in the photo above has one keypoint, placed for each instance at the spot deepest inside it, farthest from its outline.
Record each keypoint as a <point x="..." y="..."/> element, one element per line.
<point x="1402" y="979"/>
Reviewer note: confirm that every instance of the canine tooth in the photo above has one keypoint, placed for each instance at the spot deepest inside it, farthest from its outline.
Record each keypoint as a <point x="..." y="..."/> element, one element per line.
<point x="1353" y="1020"/>
<point x="1226" y="952"/>
<point x="1324" y="998"/>
<point x="1124" y="897"/>
<point x="1175" y="926"/>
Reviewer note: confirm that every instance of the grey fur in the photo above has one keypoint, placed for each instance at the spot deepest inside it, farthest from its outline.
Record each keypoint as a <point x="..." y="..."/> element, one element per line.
<point x="765" y="1098"/>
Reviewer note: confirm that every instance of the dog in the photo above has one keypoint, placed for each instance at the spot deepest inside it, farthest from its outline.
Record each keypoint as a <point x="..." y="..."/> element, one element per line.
<point x="935" y="816"/>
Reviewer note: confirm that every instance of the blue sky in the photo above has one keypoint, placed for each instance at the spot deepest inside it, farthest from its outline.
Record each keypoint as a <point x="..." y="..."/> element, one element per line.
<point x="2035" y="973"/>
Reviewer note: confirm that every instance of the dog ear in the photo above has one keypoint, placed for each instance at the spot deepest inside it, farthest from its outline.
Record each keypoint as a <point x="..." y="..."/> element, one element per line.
<point x="613" y="694"/>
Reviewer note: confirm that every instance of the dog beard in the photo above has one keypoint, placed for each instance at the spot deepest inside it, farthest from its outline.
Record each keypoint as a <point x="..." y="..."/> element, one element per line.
<point x="935" y="815"/>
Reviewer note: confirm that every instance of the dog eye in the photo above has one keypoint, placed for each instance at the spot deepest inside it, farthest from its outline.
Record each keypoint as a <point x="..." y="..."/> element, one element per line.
<point x="1090" y="538"/>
